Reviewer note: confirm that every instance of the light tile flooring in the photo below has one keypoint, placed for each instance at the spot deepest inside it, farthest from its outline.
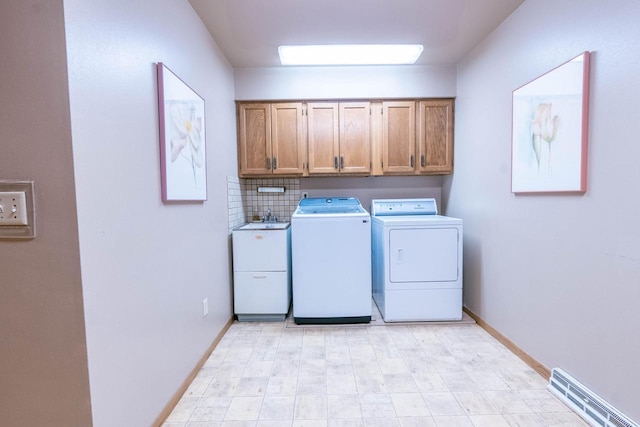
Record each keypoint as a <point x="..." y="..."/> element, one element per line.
<point x="427" y="375"/>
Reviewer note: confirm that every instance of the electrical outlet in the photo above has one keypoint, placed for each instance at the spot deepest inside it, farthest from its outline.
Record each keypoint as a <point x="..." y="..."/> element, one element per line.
<point x="205" y="307"/>
<point x="13" y="208"/>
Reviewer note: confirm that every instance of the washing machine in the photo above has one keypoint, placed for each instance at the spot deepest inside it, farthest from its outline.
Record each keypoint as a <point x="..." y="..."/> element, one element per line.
<point x="331" y="261"/>
<point x="416" y="261"/>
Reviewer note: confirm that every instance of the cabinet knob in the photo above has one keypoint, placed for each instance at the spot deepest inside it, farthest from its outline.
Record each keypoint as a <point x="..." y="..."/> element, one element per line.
<point x="275" y="163"/>
<point x="422" y="162"/>
<point x="335" y="162"/>
<point x="341" y="162"/>
<point x="268" y="163"/>
<point x="411" y="159"/>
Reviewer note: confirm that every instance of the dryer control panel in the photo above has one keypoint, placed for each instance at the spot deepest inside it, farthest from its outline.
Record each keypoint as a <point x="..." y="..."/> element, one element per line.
<point x="387" y="207"/>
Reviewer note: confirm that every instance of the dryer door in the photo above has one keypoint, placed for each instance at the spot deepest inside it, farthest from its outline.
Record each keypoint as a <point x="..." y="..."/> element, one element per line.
<point x="423" y="255"/>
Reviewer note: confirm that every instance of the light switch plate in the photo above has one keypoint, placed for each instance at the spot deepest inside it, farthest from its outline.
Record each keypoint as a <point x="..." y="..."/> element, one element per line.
<point x="13" y="208"/>
<point x="17" y="212"/>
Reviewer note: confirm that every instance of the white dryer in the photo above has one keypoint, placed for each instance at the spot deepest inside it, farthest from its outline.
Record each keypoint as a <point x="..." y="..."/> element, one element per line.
<point x="416" y="261"/>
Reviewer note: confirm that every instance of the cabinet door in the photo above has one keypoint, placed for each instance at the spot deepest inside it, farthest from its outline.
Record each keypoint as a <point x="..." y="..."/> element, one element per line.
<point x="287" y="138"/>
<point x="355" y="138"/>
<point x="254" y="139"/>
<point x="322" y="135"/>
<point x="435" y="137"/>
<point x="398" y="136"/>
<point x="265" y="292"/>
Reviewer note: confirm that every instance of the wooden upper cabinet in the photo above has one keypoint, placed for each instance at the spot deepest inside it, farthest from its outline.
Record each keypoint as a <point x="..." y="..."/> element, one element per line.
<point x="323" y="137"/>
<point x="339" y="138"/>
<point x="287" y="138"/>
<point x="435" y="137"/>
<point x="398" y="137"/>
<point x="254" y="139"/>
<point x="271" y="139"/>
<point x="378" y="137"/>
<point x="355" y="137"/>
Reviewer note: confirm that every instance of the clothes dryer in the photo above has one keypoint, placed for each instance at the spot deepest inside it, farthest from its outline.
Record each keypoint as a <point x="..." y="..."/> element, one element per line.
<point x="417" y="261"/>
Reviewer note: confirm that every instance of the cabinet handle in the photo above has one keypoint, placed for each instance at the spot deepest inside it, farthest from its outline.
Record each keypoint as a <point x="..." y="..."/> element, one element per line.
<point x="412" y="160"/>
<point x="341" y="162"/>
<point x="275" y="163"/>
<point x="259" y="276"/>
<point x="268" y="163"/>
<point x="422" y="162"/>
<point x="335" y="162"/>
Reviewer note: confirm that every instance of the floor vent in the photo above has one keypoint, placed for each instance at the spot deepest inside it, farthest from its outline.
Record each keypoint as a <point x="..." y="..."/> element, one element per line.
<point x="585" y="403"/>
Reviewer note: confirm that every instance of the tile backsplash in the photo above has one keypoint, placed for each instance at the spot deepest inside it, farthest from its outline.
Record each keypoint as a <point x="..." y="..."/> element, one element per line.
<point x="282" y="205"/>
<point x="235" y="203"/>
<point x="244" y="201"/>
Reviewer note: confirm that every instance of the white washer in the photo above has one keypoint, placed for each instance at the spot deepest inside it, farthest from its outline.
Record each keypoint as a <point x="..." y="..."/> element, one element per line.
<point x="417" y="261"/>
<point x="331" y="261"/>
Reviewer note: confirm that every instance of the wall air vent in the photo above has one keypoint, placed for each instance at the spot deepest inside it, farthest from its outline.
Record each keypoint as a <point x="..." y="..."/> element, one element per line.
<point x="586" y="403"/>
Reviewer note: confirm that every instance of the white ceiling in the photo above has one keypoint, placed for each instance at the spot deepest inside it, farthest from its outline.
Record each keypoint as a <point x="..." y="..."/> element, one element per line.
<point x="250" y="31"/>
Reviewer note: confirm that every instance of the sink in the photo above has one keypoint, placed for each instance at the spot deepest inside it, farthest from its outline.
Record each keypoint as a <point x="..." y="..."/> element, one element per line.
<point x="264" y="226"/>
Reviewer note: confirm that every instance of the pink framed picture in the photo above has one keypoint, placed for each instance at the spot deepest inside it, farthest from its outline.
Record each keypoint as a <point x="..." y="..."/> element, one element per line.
<point x="549" y="139"/>
<point x="183" y="168"/>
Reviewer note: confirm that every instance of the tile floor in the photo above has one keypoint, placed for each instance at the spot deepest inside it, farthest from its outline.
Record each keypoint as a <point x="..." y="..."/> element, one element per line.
<point x="426" y="375"/>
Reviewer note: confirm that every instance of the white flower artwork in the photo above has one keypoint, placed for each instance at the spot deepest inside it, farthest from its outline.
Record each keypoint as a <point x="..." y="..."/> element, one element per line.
<point x="182" y="139"/>
<point x="549" y="139"/>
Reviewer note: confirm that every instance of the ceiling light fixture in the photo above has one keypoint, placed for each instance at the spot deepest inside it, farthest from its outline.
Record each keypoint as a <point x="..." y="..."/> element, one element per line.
<point x="350" y="54"/>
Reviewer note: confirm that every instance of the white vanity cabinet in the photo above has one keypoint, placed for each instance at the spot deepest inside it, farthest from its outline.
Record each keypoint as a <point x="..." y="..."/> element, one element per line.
<point x="262" y="271"/>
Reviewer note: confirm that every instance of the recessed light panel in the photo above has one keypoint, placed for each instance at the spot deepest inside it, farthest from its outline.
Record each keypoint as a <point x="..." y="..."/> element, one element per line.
<point x="351" y="54"/>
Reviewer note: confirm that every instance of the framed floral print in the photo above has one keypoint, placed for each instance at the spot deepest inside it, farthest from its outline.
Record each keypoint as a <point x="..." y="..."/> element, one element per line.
<point x="183" y="168"/>
<point x="549" y="133"/>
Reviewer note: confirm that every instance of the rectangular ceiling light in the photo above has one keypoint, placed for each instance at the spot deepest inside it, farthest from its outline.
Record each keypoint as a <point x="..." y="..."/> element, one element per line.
<point x="350" y="54"/>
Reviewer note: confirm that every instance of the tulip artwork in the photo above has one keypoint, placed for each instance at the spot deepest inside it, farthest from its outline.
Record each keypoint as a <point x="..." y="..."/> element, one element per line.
<point x="549" y="132"/>
<point x="544" y="127"/>
<point x="182" y="139"/>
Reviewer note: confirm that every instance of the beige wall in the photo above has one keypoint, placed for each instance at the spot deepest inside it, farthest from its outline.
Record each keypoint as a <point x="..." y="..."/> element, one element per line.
<point x="146" y="266"/>
<point x="43" y="359"/>
<point x="322" y="82"/>
<point x="109" y="258"/>
<point x="558" y="275"/>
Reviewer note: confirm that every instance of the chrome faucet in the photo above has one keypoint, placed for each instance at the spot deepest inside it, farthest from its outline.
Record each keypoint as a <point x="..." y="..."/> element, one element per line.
<point x="268" y="217"/>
